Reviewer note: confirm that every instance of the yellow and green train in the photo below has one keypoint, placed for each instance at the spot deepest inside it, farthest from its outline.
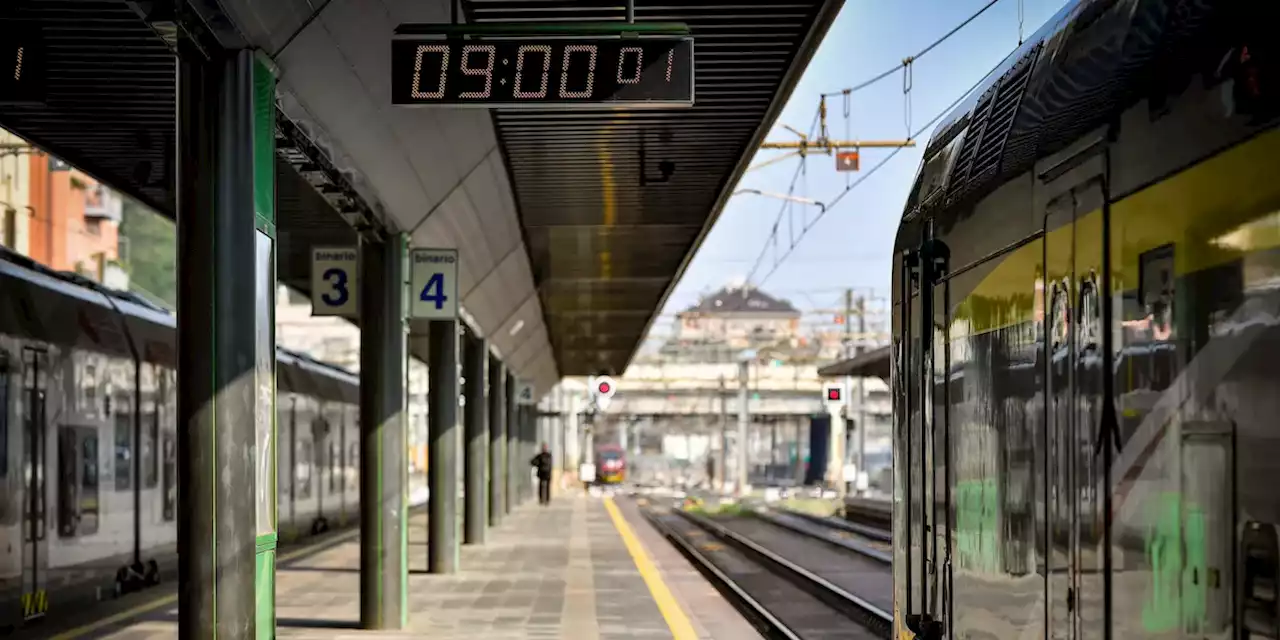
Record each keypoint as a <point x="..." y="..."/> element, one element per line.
<point x="1086" y="337"/>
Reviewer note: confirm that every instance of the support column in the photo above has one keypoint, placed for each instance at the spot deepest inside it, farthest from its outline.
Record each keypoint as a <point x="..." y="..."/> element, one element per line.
<point x="383" y="435"/>
<point x="497" y="440"/>
<point x="477" y="429"/>
<point x="530" y="448"/>
<point x="744" y="419"/>
<point x="226" y="345"/>
<point x="513" y="445"/>
<point x="442" y="465"/>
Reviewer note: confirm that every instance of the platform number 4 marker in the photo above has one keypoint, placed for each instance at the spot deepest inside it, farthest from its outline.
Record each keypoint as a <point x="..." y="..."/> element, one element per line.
<point x="434" y="291"/>
<point x="525" y="395"/>
<point x="434" y="283"/>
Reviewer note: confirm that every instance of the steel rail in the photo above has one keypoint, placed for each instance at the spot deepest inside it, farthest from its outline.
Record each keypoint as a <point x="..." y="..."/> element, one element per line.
<point x="756" y="613"/>
<point x="871" y="617"/>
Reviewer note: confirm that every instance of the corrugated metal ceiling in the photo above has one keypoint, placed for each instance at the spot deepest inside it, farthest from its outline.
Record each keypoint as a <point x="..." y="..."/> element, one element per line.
<point x="606" y="251"/>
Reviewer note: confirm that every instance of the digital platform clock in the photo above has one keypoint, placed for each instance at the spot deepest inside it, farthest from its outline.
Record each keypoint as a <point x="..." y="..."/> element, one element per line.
<point x="543" y="72"/>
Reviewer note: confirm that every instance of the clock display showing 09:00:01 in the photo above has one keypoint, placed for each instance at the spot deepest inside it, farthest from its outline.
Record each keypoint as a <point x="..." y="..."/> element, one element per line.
<point x="514" y="71"/>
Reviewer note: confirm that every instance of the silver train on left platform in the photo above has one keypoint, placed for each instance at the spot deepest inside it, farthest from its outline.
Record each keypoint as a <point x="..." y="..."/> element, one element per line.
<point x="88" y="442"/>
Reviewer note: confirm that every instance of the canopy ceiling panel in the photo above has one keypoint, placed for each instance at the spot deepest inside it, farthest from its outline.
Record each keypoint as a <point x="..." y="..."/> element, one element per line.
<point x="609" y="232"/>
<point x="437" y="174"/>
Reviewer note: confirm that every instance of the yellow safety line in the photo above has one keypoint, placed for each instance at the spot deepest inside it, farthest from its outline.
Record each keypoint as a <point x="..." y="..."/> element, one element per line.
<point x="170" y="599"/>
<point x="677" y="621"/>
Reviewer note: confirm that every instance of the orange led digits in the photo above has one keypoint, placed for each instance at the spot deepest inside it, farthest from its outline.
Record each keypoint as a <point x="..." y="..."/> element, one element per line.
<point x="591" y="72"/>
<point x="546" y="66"/>
<point x="443" y="50"/>
<point x="487" y="71"/>
<point x="639" y="64"/>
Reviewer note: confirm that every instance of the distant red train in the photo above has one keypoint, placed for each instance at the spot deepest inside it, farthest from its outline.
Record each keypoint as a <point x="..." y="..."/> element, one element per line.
<point x="611" y="464"/>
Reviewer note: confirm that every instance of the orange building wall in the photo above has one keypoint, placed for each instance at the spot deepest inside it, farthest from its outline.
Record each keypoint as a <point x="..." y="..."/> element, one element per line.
<point x="60" y="235"/>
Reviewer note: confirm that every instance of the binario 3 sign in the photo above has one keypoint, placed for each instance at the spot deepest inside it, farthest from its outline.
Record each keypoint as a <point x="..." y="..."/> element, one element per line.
<point x="334" y="274"/>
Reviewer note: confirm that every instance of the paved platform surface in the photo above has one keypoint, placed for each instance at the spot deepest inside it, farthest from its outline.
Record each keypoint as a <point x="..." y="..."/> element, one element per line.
<point x="582" y="568"/>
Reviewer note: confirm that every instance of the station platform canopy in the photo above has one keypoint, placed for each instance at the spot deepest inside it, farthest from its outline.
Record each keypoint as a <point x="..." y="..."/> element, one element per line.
<point x="569" y="243"/>
<point x="873" y="363"/>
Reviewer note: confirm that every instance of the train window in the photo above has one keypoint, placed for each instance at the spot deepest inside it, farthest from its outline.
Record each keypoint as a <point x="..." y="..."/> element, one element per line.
<point x="89" y="482"/>
<point x="150" y="433"/>
<point x="169" y="448"/>
<point x="68" y="487"/>
<point x="333" y="468"/>
<point x="4" y="414"/>
<point x="1090" y="317"/>
<point x="1058" y="316"/>
<point x="90" y="386"/>
<point x="1156" y="292"/>
<point x="78" y="462"/>
<point x="302" y="470"/>
<point x="124" y="445"/>
<point x="353" y="459"/>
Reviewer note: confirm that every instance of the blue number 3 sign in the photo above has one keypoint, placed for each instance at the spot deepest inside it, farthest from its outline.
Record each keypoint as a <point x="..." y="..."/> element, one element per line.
<point x="336" y="278"/>
<point x="434" y="291"/>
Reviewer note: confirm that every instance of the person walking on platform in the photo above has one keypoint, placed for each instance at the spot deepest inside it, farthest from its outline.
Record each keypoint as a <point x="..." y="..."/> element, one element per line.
<point x="542" y="462"/>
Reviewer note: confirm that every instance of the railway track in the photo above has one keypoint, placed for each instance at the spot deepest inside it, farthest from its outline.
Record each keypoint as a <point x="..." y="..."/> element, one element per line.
<point x="784" y="596"/>
<point x="868" y="542"/>
<point x="869" y="512"/>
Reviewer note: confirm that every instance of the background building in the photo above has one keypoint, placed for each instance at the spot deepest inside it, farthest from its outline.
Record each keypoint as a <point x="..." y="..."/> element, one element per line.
<point x="725" y="323"/>
<point x="57" y="215"/>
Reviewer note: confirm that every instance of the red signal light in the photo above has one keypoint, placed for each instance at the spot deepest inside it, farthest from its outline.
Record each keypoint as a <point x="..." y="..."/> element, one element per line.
<point x="604" y="387"/>
<point x="833" y="395"/>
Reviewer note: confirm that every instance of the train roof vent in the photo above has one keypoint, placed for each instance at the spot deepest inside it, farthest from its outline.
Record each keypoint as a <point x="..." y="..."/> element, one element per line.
<point x="986" y="145"/>
<point x="964" y="160"/>
<point x="1005" y="106"/>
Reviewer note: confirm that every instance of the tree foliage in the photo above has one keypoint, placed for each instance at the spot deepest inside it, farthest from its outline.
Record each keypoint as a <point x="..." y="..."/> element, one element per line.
<point x="152" y="254"/>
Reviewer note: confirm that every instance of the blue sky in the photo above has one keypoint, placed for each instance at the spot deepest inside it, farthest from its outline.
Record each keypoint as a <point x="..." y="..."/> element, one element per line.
<point x="851" y="245"/>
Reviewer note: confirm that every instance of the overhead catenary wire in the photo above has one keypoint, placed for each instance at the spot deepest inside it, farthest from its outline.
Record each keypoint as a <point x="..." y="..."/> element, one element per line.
<point x="907" y="84"/>
<point x="907" y="61"/>
<point x="832" y="202"/>
<point x="795" y="176"/>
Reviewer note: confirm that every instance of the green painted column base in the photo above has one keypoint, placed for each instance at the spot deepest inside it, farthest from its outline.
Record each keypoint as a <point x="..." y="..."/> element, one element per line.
<point x="265" y="587"/>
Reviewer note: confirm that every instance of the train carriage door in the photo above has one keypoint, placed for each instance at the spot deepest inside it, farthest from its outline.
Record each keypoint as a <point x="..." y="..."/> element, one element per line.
<point x="35" y="558"/>
<point x="927" y="494"/>
<point x="1075" y="379"/>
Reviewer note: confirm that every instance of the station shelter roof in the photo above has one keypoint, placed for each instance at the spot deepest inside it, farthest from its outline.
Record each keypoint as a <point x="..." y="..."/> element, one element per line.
<point x="873" y="363"/>
<point x="566" y="254"/>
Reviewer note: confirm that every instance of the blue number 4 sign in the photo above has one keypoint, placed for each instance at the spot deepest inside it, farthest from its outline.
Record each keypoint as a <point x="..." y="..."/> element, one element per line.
<point x="434" y="291"/>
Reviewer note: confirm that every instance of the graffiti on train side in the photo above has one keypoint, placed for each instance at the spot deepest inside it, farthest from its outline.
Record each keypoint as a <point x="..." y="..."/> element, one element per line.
<point x="1177" y="594"/>
<point x="977" y="525"/>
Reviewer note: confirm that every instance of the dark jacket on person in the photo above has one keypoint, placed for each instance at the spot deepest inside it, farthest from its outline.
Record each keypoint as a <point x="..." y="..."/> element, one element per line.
<point x="542" y="462"/>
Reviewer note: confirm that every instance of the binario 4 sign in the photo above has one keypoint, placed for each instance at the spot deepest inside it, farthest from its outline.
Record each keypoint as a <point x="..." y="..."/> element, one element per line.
<point x="334" y="271"/>
<point x="433" y="282"/>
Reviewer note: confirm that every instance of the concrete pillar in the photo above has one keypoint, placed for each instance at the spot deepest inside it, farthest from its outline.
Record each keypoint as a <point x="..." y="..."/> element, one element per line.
<point x="744" y="419"/>
<point x="497" y="441"/>
<point x="800" y="451"/>
<point x="530" y="449"/>
<point x="384" y="491"/>
<point x="226" y="344"/>
<point x="442" y="452"/>
<point x="514" y="462"/>
<point x="476" y="359"/>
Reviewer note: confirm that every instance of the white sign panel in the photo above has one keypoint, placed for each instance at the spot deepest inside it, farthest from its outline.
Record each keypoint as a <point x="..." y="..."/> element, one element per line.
<point x="524" y="393"/>
<point x="433" y="284"/>
<point x="333" y="281"/>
